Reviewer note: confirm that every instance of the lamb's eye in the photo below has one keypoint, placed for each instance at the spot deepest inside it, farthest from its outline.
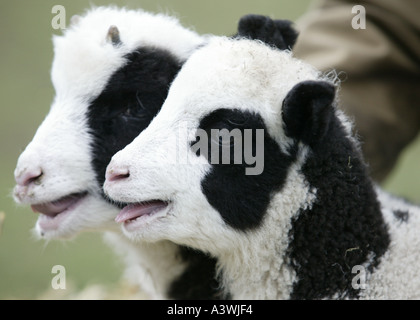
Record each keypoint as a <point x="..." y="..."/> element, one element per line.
<point x="127" y="112"/>
<point x="226" y="136"/>
<point x="230" y="124"/>
<point x="227" y="131"/>
<point x="237" y="122"/>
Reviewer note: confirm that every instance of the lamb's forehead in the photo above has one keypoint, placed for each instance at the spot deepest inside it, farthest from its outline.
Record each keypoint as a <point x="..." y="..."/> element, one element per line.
<point x="84" y="60"/>
<point x="242" y="74"/>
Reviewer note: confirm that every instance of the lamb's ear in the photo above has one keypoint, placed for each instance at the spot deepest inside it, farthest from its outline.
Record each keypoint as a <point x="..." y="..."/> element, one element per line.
<point x="307" y="111"/>
<point x="288" y="32"/>
<point x="113" y="36"/>
<point x="279" y="33"/>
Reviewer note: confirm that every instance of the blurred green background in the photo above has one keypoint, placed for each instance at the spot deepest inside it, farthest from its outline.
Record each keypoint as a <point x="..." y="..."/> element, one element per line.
<point x="26" y="93"/>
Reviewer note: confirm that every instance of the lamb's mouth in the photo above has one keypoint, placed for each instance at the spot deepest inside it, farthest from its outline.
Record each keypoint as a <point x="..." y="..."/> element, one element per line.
<point x="51" y="212"/>
<point x="135" y="215"/>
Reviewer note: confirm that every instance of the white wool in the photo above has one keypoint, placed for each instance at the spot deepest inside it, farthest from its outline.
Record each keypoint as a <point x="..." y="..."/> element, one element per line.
<point x="398" y="276"/>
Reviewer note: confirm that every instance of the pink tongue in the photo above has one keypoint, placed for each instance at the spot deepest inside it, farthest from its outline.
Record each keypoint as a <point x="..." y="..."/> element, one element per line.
<point x="53" y="208"/>
<point x="135" y="210"/>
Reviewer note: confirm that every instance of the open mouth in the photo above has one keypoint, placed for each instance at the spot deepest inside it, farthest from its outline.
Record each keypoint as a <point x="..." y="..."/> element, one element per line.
<point x="136" y="214"/>
<point x="52" y="212"/>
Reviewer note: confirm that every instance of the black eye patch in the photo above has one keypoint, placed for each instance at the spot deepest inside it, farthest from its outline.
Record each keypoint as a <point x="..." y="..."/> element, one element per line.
<point x="240" y="198"/>
<point x="133" y="96"/>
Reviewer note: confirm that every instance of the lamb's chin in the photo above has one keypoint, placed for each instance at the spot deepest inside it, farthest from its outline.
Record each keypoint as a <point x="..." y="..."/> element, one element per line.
<point x="54" y="216"/>
<point x="139" y="215"/>
<point x="144" y="220"/>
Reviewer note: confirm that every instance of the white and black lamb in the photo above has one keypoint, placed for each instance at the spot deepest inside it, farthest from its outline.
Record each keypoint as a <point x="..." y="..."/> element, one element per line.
<point x="111" y="71"/>
<point x="303" y="220"/>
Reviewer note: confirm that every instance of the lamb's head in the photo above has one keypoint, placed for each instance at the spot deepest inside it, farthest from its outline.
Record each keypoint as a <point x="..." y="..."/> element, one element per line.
<point x="261" y="105"/>
<point x="111" y="73"/>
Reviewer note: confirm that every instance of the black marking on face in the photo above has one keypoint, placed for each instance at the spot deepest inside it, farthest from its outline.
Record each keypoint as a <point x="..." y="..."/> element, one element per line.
<point x="241" y="199"/>
<point x="133" y="96"/>
<point x="345" y="226"/>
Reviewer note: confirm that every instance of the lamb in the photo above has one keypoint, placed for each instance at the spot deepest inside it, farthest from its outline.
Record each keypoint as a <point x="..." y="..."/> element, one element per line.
<point x="111" y="71"/>
<point x="311" y="225"/>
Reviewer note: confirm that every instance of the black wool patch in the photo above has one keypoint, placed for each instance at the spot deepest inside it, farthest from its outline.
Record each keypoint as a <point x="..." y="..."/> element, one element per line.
<point x="344" y="227"/>
<point x="131" y="99"/>
<point x="242" y="199"/>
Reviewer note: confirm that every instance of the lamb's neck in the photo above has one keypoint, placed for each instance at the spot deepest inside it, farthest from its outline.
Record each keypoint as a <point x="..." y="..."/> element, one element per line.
<point x="151" y="266"/>
<point x="258" y="267"/>
<point x="344" y="227"/>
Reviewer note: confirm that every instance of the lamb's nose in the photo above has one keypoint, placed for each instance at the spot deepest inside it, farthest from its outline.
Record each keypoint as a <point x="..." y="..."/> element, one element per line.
<point x="28" y="176"/>
<point x="117" y="173"/>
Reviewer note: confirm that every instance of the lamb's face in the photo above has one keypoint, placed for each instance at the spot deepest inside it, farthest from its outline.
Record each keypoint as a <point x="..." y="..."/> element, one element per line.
<point x="110" y="82"/>
<point x="177" y="190"/>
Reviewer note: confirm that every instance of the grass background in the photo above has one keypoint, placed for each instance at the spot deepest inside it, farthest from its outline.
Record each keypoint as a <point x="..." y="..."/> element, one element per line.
<point x="26" y="93"/>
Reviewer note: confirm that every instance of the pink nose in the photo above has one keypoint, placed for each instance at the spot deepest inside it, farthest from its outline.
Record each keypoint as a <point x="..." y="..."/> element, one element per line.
<point x="115" y="173"/>
<point x="28" y="176"/>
